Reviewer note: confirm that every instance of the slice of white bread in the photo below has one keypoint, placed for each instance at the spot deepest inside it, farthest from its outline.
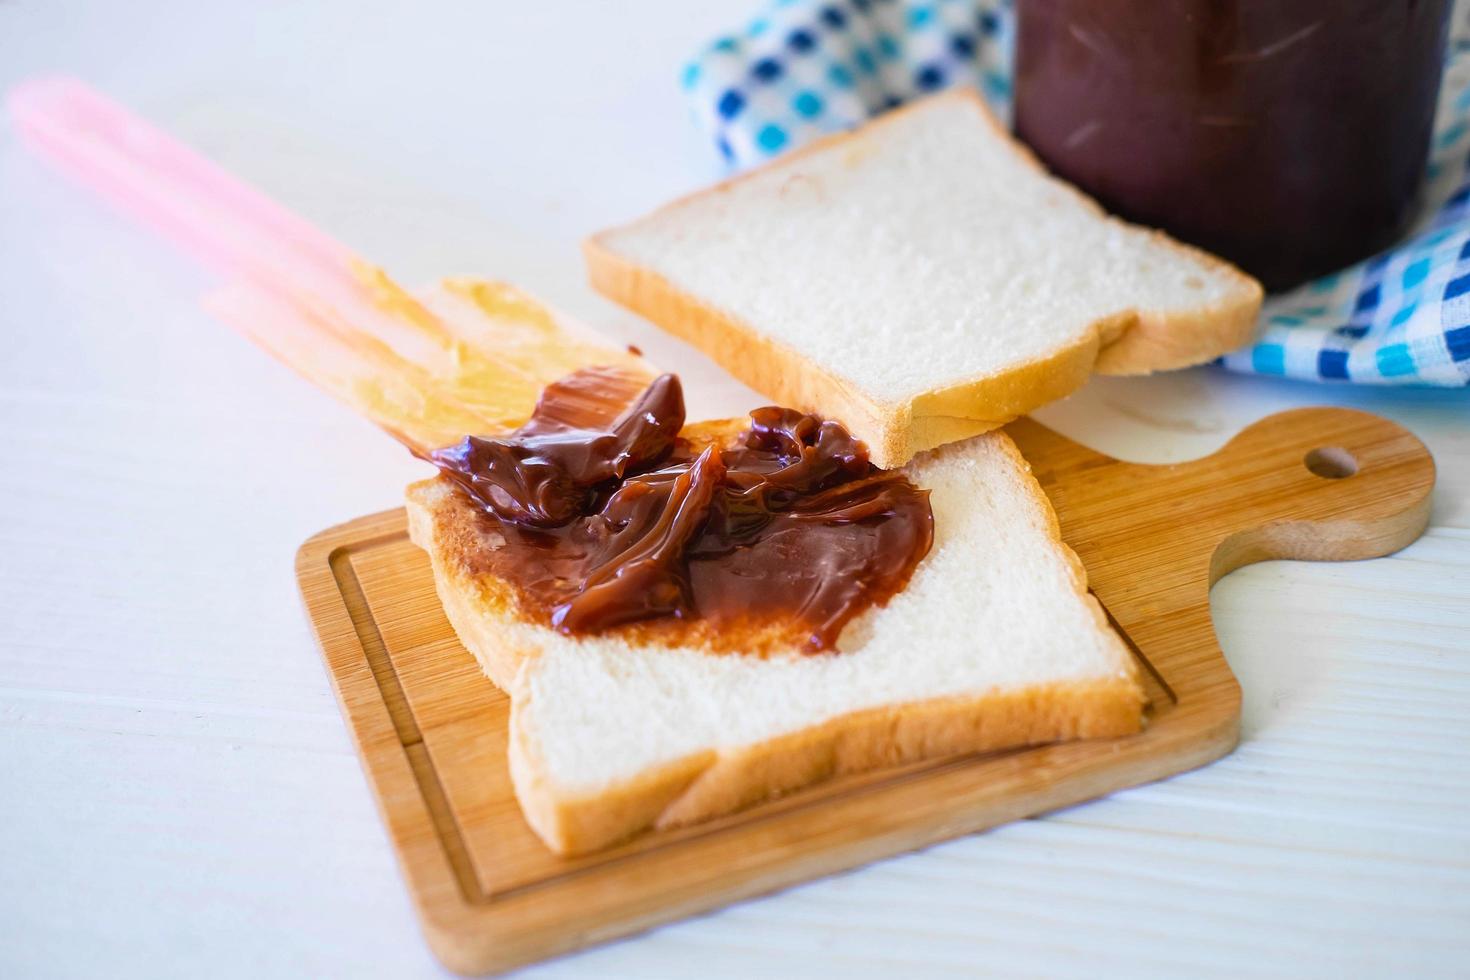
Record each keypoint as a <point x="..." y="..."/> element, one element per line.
<point x="922" y="279"/>
<point x="995" y="642"/>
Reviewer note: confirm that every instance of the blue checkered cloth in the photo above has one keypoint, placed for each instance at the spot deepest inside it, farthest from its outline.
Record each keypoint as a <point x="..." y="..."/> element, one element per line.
<point x="808" y="67"/>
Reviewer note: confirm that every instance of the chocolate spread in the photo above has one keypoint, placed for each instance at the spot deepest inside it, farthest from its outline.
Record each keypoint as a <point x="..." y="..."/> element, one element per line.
<point x="609" y="517"/>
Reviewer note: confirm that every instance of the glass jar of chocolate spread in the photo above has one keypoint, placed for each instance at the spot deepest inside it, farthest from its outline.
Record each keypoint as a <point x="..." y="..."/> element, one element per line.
<point x="1288" y="136"/>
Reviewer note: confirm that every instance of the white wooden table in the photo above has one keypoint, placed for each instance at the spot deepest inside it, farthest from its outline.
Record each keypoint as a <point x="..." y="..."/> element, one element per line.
<point x="178" y="795"/>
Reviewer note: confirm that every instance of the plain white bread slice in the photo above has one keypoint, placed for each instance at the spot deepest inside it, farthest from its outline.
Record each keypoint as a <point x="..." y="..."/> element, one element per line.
<point x="994" y="643"/>
<point x="921" y="279"/>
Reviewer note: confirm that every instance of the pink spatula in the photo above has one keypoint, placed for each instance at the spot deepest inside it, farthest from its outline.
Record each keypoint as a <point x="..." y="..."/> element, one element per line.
<point x="468" y="357"/>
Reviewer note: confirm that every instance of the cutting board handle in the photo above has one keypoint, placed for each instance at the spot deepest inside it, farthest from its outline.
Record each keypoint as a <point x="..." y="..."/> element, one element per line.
<point x="1316" y="484"/>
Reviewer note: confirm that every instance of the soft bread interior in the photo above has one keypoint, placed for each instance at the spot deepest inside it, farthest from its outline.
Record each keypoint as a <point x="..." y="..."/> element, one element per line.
<point x="995" y="642"/>
<point x="926" y="267"/>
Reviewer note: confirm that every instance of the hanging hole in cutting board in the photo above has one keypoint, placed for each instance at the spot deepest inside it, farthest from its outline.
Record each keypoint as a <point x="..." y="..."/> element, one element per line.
<point x="1331" y="462"/>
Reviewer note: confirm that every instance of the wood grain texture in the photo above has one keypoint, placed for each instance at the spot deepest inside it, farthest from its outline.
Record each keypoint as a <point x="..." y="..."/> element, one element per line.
<point x="431" y="730"/>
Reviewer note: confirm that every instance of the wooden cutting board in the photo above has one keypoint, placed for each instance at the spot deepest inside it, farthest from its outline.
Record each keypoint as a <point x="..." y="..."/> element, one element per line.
<point x="1320" y="484"/>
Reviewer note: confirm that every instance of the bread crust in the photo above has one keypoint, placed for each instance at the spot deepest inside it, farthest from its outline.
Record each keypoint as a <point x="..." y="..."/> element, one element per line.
<point x="1130" y="342"/>
<point x="711" y="783"/>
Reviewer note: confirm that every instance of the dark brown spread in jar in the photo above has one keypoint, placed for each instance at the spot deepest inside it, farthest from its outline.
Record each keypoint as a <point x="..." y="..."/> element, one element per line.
<point x="609" y="518"/>
<point x="1288" y="136"/>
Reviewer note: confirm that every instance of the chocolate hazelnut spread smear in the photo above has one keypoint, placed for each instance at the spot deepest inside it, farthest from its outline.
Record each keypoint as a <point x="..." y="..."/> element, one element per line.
<point x="608" y="517"/>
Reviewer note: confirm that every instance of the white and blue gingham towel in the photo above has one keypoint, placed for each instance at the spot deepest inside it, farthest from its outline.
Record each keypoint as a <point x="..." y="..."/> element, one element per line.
<point x="808" y="67"/>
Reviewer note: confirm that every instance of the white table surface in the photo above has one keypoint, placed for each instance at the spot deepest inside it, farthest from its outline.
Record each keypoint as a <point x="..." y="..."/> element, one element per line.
<point x="178" y="795"/>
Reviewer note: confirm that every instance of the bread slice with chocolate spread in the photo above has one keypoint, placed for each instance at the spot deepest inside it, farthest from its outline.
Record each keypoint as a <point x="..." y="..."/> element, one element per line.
<point x="995" y="642"/>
